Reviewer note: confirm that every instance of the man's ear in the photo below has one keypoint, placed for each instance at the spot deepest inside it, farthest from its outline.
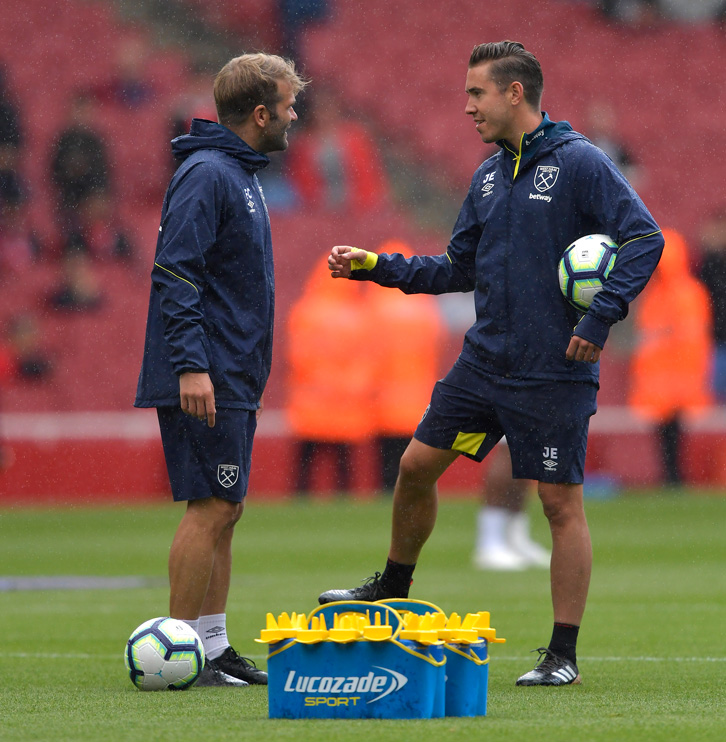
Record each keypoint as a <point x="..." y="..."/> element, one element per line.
<point x="516" y="92"/>
<point x="261" y="116"/>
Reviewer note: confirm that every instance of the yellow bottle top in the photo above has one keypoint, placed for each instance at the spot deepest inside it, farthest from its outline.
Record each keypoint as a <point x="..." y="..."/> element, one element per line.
<point x="316" y="632"/>
<point x="285" y="627"/>
<point x="420" y="629"/>
<point x="377" y="632"/>
<point x="347" y="628"/>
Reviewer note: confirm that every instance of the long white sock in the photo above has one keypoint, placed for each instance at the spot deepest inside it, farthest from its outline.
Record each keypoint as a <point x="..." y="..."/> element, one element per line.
<point x="213" y="630"/>
<point x="492" y="524"/>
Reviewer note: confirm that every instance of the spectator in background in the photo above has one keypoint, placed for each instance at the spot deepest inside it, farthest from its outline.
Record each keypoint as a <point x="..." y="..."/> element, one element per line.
<point x="671" y="361"/>
<point x="638" y="14"/>
<point x="323" y="348"/>
<point x="336" y="165"/>
<point x="29" y="358"/>
<point x="128" y="86"/>
<point x="409" y="333"/>
<point x="81" y="173"/>
<point x="295" y="16"/>
<point x="713" y="275"/>
<point x="19" y="245"/>
<point x="78" y="289"/>
<point x="11" y="137"/>
<point x="602" y="131"/>
<point x="80" y="167"/>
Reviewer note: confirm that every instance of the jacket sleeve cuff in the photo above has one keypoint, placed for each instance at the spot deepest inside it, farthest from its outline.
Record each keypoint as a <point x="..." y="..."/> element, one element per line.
<point x="368" y="264"/>
<point x="592" y="329"/>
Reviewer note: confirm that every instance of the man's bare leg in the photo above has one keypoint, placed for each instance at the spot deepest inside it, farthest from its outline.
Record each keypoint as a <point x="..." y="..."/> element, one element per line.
<point x="195" y="577"/>
<point x="571" y="563"/>
<point x="570" y="579"/>
<point x="415" y="499"/>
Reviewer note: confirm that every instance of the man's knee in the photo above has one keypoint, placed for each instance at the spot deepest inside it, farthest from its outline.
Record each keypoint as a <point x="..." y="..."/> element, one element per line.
<point x="422" y="464"/>
<point x="216" y="512"/>
<point x="561" y="502"/>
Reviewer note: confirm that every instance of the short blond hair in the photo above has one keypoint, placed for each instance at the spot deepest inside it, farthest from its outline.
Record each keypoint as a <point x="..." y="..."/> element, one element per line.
<point x="251" y="80"/>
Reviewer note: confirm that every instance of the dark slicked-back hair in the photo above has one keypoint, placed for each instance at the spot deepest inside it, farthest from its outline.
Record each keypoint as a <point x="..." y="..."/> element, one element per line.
<point x="249" y="81"/>
<point x="511" y="62"/>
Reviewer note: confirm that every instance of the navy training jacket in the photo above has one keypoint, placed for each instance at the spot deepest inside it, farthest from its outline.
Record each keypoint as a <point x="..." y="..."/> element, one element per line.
<point x="522" y="211"/>
<point x="212" y="295"/>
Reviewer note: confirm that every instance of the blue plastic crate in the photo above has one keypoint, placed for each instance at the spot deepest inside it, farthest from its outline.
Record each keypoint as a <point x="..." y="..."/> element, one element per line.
<point x="389" y="679"/>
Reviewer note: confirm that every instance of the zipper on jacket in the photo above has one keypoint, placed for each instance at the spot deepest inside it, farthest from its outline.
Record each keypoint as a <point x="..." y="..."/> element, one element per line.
<point x="508" y="314"/>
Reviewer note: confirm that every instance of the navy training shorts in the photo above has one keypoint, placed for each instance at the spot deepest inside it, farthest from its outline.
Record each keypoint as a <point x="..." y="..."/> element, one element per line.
<point x="545" y="422"/>
<point x="207" y="462"/>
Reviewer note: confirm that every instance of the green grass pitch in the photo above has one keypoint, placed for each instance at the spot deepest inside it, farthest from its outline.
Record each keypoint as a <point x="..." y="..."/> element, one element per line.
<point x="652" y="651"/>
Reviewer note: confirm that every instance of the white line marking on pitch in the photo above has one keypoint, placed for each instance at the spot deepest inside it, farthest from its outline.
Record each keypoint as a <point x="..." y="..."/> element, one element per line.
<point x="628" y="659"/>
<point x="82" y="656"/>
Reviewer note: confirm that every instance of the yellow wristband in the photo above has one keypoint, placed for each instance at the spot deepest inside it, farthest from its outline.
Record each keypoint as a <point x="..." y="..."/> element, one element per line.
<point x="367" y="264"/>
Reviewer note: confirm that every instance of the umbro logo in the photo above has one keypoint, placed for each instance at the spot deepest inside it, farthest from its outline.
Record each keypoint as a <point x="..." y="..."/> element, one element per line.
<point x="550" y="458"/>
<point x="214" y="630"/>
<point x="250" y="201"/>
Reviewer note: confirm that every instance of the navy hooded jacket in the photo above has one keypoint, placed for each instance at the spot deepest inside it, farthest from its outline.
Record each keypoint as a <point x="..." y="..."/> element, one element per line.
<point x="212" y="295"/>
<point x="522" y="211"/>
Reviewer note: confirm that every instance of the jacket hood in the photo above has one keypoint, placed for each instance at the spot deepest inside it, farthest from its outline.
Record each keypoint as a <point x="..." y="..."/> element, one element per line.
<point x="205" y="134"/>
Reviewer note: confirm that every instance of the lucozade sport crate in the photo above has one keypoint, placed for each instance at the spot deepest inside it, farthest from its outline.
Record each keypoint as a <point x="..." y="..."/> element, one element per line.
<point x="384" y="660"/>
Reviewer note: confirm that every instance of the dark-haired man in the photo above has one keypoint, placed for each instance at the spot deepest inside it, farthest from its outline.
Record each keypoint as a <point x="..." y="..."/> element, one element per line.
<point x="523" y="371"/>
<point x="209" y="336"/>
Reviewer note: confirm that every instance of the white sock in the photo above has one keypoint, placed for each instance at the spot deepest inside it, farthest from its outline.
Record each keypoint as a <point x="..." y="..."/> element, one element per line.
<point x="492" y="525"/>
<point x="213" y="630"/>
<point x="194" y="624"/>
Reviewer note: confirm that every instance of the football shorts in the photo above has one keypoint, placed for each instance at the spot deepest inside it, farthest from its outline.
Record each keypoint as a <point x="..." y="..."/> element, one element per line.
<point x="207" y="462"/>
<point x="545" y="422"/>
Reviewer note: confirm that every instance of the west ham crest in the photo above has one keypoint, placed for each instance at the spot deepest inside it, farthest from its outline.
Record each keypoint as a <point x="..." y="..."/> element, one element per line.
<point x="227" y="474"/>
<point x="545" y="176"/>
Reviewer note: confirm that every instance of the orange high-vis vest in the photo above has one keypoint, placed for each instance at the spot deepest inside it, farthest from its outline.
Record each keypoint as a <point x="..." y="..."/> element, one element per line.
<point x="407" y="350"/>
<point x="671" y="363"/>
<point x="330" y="368"/>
